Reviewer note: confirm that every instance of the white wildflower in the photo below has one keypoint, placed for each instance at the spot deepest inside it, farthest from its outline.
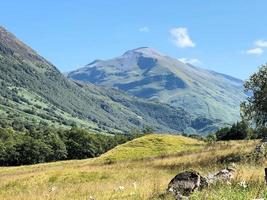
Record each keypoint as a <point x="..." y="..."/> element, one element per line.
<point x="135" y="185"/>
<point x="243" y="184"/>
<point x="228" y="183"/>
<point x="52" y="189"/>
<point x="91" y="198"/>
<point x="119" y="189"/>
<point x="233" y="165"/>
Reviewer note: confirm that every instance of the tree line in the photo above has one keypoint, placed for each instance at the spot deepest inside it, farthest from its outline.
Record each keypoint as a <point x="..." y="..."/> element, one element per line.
<point x="44" y="144"/>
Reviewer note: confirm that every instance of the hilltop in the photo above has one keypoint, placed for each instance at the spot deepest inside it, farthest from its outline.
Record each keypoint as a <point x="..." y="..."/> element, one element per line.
<point x="152" y="146"/>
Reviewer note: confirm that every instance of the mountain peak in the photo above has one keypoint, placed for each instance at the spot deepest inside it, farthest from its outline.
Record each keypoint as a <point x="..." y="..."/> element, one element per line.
<point x="146" y="51"/>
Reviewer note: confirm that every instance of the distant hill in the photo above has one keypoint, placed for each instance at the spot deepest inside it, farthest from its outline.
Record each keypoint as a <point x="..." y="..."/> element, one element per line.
<point x="150" y="146"/>
<point x="33" y="91"/>
<point x="212" y="98"/>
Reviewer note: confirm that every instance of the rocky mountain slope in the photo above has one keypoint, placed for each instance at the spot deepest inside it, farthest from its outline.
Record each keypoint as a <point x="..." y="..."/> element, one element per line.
<point x="212" y="98"/>
<point x="32" y="91"/>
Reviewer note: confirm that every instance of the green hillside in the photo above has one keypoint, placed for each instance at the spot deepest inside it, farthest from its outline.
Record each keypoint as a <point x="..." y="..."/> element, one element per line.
<point x="152" y="146"/>
<point x="33" y="91"/>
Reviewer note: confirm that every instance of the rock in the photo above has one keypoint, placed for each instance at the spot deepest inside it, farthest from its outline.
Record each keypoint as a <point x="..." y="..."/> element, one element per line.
<point x="222" y="175"/>
<point x="183" y="184"/>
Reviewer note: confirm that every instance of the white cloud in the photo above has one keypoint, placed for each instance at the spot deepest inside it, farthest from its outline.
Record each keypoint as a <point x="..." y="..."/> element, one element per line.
<point x="181" y="38"/>
<point x="260" y="43"/>
<point x="144" y="29"/>
<point x="193" y="61"/>
<point x="258" y="48"/>
<point x="255" y="51"/>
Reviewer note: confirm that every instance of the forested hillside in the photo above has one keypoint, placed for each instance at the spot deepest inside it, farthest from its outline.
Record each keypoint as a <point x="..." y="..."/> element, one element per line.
<point x="33" y="91"/>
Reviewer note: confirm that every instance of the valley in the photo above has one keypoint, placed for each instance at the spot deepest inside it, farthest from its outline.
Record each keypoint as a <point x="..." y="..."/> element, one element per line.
<point x="137" y="100"/>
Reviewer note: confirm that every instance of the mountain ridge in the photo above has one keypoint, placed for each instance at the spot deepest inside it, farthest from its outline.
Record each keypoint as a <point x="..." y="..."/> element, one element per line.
<point x="147" y="73"/>
<point x="34" y="91"/>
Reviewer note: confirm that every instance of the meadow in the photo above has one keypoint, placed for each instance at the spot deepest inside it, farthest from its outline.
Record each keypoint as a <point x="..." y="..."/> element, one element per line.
<point x="139" y="169"/>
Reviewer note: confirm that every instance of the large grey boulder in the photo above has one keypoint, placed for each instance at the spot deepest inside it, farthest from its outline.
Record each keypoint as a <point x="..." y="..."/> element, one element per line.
<point x="183" y="184"/>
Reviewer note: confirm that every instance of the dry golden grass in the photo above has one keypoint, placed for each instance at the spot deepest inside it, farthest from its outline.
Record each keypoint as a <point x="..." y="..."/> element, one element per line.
<point x="138" y="179"/>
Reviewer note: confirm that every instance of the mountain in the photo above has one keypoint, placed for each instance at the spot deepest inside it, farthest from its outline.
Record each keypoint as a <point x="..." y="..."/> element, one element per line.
<point x="33" y="91"/>
<point x="212" y="97"/>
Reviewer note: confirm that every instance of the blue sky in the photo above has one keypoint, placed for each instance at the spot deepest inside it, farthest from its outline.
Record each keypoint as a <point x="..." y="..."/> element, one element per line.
<point x="226" y="36"/>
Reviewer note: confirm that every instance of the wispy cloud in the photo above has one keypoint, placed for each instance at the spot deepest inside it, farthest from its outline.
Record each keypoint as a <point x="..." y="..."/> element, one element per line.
<point x="260" y="43"/>
<point x="258" y="48"/>
<point x="255" y="51"/>
<point x="144" y="29"/>
<point x="180" y="37"/>
<point x="193" y="61"/>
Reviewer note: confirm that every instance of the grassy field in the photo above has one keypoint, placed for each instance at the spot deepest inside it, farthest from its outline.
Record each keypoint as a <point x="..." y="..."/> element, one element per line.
<point x="126" y="176"/>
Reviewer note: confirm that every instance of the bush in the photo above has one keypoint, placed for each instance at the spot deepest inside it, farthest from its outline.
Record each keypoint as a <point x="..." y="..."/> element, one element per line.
<point x="238" y="131"/>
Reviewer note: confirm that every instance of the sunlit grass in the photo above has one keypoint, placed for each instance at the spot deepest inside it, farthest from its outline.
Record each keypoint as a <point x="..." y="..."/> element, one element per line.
<point x="135" y="179"/>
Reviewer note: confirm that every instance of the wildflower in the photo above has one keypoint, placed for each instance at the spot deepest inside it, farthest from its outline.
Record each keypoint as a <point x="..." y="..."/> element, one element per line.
<point x="243" y="184"/>
<point x="121" y="188"/>
<point x="52" y="189"/>
<point x="233" y="165"/>
<point x="228" y="183"/>
<point x="91" y="198"/>
<point x="135" y="185"/>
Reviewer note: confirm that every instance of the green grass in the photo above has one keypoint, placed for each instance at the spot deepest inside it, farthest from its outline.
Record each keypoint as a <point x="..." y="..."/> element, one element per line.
<point x="152" y="146"/>
<point x="163" y="157"/>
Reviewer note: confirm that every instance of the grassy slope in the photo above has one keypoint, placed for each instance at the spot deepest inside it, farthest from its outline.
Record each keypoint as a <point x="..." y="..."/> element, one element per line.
<point x="151" y="146"/>
<point x="141" y="179"/>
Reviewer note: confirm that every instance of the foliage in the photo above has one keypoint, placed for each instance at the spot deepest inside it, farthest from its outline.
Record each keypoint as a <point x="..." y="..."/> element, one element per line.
<point x="46" y="144"/>
<point x="238" y="131"/>
<point x="255" y="108"/>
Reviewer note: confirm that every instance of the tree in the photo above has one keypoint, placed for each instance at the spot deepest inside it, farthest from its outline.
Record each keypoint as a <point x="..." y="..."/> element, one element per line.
<point x="80" y="144"/>
<point x="254" y="109"/>
<point x="238" y="131"/>
<point x="30" y="151"/>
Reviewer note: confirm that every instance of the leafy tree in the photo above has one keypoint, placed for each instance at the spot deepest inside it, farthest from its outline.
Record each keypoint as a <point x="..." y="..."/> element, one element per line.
<point x="222" y="134"/>
<point x="238" y="131"/>
<point x="80" y="144"/>
<point x="254" y="109"/>
<point x="211" y="137"/>
<point x="148" y="130"/>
